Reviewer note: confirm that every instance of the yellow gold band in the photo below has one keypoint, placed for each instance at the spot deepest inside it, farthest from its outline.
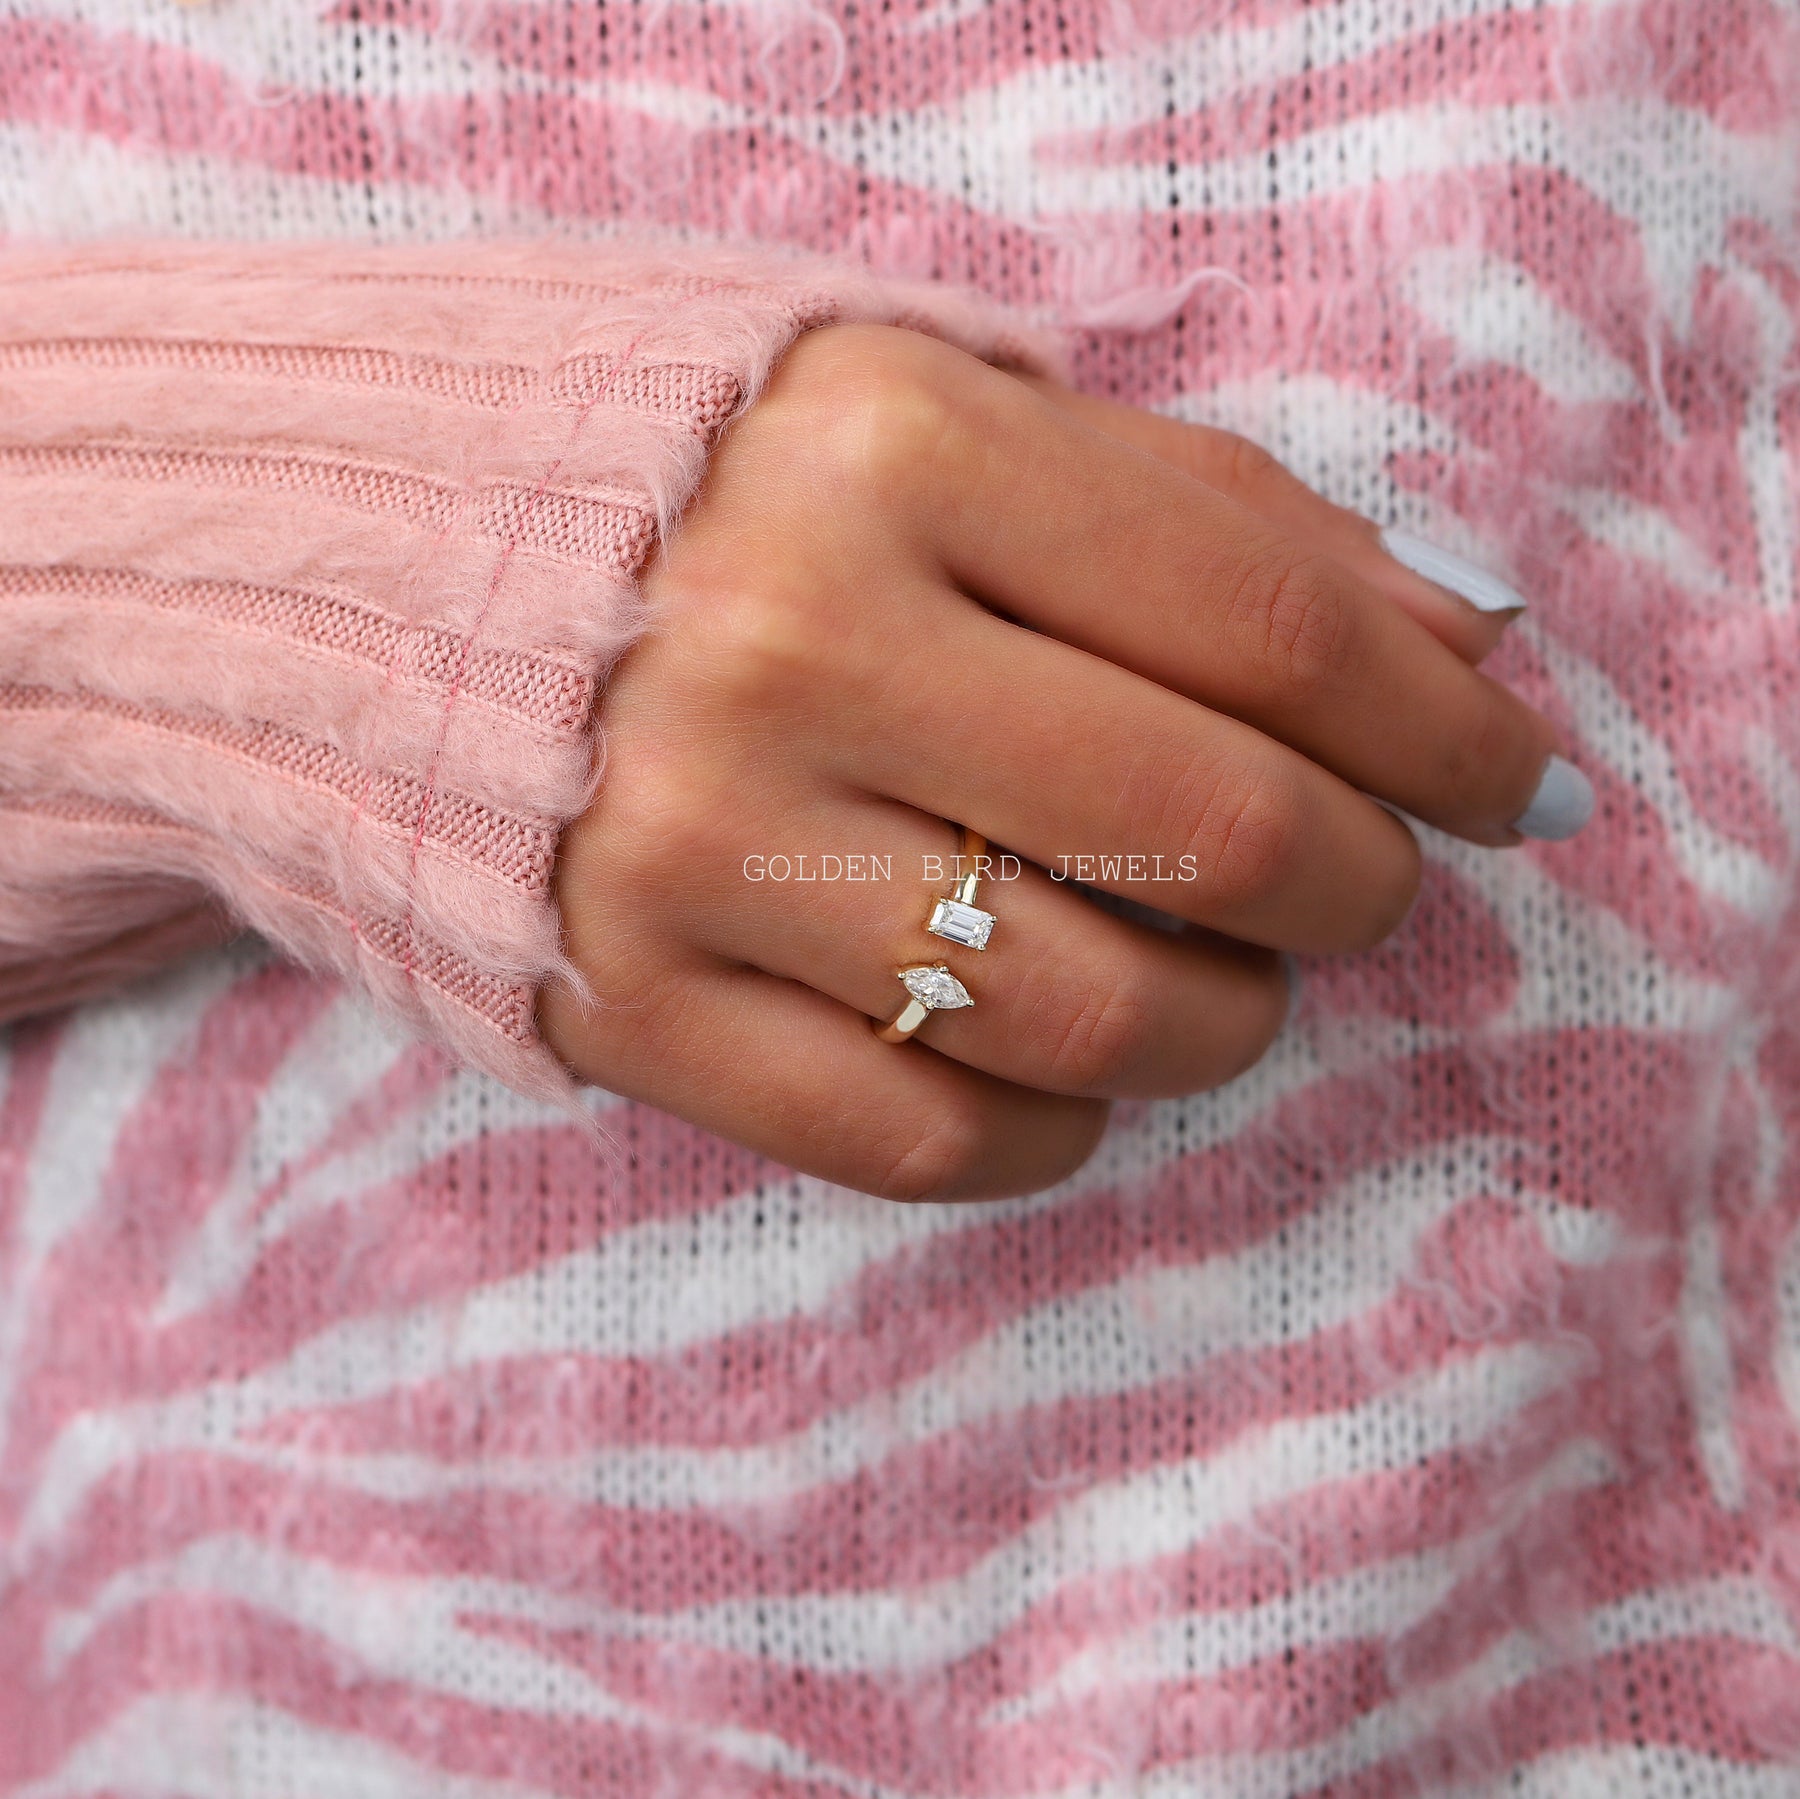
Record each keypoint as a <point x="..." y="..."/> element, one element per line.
<point x="911" y="1016"/>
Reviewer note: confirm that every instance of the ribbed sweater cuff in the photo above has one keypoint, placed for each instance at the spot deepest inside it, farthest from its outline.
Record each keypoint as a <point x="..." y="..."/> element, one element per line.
<point x="313" y="560"/>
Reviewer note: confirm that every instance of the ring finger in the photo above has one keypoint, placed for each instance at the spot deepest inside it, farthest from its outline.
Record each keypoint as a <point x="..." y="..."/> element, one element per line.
<point x="1067" y="997"/>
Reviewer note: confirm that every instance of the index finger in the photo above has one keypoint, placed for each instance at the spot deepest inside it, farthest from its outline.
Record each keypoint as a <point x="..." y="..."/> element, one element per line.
<point x="1465" y="607"/>
<point x="1114" y="550"/>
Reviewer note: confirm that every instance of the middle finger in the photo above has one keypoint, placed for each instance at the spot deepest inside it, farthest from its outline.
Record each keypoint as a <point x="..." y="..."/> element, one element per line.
<point x="1060" y="754"/>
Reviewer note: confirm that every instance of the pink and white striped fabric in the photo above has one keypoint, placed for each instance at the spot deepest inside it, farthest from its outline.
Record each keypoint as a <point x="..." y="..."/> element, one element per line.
<point x="1418" y="1415"/>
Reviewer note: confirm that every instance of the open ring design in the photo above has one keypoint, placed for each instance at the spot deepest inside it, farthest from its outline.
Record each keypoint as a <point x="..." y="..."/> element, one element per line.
<point x="930" y="986"/>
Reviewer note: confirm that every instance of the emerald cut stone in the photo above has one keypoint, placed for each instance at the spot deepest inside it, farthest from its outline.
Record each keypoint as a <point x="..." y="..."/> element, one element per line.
<point x="962" y="923"/>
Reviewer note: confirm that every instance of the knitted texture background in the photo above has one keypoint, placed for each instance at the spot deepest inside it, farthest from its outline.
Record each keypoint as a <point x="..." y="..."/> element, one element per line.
<point x="1418" y="1414"/>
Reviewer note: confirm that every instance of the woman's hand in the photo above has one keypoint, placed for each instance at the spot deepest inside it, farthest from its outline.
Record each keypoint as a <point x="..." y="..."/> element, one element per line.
<point x="917" y="589"/>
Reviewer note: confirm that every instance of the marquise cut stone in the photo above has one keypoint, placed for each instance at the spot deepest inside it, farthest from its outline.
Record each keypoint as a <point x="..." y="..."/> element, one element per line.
<point x="935" y="987"/>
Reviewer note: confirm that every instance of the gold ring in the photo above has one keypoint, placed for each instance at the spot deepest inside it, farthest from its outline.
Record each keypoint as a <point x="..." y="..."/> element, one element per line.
<point x="930" y="986"/>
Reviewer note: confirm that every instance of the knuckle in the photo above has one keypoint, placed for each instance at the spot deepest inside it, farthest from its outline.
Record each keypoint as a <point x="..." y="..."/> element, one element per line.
<point x="1247" y="465"/>
<point x="1092" y="1046"/>
<point x="880" y="407"/>
<point x="934" y="1160"/>
<point x="1489" y="762"/>
<point x="760" y="646"/>
<point x="1294" y="617"/>
<point x="664" y="826"/>
<point x="1242" y="838"/>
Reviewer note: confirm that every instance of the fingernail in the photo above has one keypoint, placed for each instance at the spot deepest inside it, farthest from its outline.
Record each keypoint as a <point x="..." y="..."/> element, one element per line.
<point x="1484" y="591"/>
<point x="1563" y="803"/>
<point x="1291" y="969"/>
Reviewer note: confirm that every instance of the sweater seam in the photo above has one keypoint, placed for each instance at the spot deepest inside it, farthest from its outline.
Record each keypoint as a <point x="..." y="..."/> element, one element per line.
<point x="501" y="563"/>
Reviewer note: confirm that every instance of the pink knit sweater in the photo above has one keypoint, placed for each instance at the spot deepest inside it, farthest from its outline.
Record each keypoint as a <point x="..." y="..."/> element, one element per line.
<point x="311" y="561"/>
<point x="1417" y="1417"/>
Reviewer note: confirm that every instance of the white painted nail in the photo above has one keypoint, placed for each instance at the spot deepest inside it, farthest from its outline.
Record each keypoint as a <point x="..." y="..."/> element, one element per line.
<point x="1483" y="591"/>
<point x="1291" y="968"/>
<point x="1563" y="803"/>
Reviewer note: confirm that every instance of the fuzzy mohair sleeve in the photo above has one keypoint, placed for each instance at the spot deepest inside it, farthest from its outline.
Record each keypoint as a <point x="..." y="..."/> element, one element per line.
<point x="313" y="560"/>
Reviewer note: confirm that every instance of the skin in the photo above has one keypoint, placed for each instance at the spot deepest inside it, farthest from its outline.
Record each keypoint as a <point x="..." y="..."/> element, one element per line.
<point x="919" y="589"/>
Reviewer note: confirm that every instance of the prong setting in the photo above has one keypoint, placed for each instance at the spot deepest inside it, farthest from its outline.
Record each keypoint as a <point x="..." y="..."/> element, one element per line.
<point x="935" y="987"/>
<point x="962" y="923"/>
